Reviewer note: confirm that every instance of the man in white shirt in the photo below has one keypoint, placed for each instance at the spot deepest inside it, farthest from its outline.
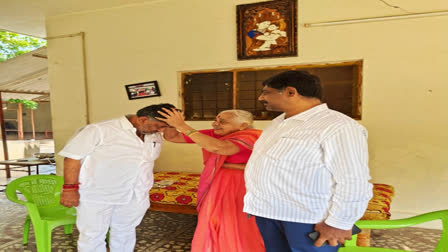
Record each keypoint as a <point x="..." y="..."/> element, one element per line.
<point x="308" y="170"/>
<point x="108" y="171"/>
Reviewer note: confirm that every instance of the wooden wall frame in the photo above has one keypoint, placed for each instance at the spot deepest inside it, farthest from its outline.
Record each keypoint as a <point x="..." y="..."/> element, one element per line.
<point x="267" y="29"/>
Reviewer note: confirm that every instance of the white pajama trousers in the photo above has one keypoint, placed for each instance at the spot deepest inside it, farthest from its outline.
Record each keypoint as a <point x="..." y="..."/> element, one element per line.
<point x="94" y="220"/>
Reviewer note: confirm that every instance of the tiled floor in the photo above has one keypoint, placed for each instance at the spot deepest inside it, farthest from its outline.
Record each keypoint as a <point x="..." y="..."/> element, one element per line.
<point x="173" y="232"/>
<point x="410" y="239"/>
<point x="158" y="232"/>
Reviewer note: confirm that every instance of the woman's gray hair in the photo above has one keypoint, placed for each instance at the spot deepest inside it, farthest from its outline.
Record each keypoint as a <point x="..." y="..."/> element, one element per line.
<point x="241" y="116"/>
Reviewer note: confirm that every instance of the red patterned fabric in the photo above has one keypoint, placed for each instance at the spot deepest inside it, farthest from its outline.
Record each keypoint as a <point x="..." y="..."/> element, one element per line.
<point x="175" y="188"/>
<point x="379" y="205"/>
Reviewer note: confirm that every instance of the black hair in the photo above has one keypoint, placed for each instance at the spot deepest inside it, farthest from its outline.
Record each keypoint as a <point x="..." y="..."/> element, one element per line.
<point x="306" y="84"/>
<point x="152" y="111"/>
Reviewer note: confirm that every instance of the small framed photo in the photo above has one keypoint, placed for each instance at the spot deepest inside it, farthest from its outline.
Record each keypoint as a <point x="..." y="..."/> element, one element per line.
<point x="143" y="90"/>
<point x="267" y="29"/>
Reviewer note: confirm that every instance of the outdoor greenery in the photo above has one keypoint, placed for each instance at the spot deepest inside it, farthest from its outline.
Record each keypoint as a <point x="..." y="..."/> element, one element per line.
<point x="13" y="44"/>
<point x="27" y="103"/>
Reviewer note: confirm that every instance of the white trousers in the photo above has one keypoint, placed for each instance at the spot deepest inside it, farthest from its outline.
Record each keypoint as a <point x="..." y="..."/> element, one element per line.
<point x="94" y="220"/>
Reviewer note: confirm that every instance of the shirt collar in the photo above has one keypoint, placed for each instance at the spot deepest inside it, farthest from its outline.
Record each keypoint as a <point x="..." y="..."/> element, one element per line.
<point x="125" y="123"/>
<point x="305" y="115"/>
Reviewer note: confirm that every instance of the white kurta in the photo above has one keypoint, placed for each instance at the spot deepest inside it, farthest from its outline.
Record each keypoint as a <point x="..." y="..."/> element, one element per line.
<point x="116" y="175"/>
<point x="115" y="162"/>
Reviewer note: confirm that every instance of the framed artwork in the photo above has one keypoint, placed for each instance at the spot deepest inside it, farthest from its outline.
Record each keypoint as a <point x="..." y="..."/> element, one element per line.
<point x="267" y="29"/>
<point x="143" y="90"/>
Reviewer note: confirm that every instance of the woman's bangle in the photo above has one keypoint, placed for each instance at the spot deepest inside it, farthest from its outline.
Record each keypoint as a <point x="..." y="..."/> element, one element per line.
<point x="190" y="132"/>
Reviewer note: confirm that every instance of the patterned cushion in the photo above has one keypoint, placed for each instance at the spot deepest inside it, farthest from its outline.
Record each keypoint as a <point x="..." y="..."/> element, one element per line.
<point x="175" y="188"/>
<point x="379" y="205"/>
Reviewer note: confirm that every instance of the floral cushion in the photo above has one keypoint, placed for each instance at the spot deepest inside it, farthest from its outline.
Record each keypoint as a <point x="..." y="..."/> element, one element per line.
<point x="175" y="188"/>
<point x="379" y="205"/>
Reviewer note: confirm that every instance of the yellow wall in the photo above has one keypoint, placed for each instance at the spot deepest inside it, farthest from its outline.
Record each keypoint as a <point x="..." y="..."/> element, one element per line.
<point x="404" y="77"/>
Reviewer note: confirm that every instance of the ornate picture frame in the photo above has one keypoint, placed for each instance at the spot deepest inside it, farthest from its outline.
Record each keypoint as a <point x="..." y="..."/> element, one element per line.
<point x="267" y="29"/>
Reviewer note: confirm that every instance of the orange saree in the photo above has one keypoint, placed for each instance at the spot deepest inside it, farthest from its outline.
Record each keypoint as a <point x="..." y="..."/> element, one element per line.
<point x="222" y="225"/>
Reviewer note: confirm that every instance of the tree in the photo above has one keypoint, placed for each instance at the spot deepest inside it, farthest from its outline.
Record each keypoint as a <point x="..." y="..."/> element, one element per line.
<point x="27" y="103"/>
<point x="13" y="44"/>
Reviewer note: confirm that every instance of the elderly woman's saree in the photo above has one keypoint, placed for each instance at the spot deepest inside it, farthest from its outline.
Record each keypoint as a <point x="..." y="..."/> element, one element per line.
<point x="222" y="225"/>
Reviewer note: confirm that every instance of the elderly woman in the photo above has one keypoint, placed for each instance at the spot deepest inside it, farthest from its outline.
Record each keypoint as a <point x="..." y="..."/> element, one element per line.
<point x="222" y="225"/>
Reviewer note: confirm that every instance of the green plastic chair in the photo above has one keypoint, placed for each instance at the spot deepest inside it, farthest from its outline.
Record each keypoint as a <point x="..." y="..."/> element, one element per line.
<point x="350" y="246"/>
<point x="42" y="194"/>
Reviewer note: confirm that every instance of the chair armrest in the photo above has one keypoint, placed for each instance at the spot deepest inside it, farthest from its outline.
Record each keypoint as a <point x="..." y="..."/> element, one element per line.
<point x="400" y="223"/>
<point x="11" y="194"/>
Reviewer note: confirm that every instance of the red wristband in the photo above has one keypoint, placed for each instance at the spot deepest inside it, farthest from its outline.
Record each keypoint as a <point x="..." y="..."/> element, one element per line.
<point x="70" y="186"/>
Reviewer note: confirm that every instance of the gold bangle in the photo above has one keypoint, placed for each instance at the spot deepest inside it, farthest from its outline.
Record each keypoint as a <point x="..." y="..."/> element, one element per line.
<point x="188" y="133"/>
<point x="191" y="134"/>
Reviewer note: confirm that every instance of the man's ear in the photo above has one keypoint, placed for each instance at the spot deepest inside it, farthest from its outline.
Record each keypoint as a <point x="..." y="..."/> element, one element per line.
<point x="142" y="119"/>
<point x="290" y="91"/>
<point x="244" y="126"/>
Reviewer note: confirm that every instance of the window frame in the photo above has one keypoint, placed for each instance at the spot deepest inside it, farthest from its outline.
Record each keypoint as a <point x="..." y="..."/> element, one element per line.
<point x="356" y="89"/>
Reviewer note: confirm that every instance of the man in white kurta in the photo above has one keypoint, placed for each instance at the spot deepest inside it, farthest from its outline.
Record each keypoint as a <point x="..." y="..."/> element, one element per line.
<point x="111" y="164"/>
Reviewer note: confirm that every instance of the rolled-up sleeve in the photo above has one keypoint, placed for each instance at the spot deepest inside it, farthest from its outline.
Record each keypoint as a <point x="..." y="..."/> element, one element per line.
<point x="82" y="143"/>
<point x="346" y="157"/>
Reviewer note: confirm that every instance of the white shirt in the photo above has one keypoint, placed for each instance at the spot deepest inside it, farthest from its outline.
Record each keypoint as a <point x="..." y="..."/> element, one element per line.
<point x="115" y="162"/>
<point x="308" y="168"/>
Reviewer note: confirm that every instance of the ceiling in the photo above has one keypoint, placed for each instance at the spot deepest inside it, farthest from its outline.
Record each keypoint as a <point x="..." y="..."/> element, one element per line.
<point x="25" y="76"/>
<point x="28" y="16"/>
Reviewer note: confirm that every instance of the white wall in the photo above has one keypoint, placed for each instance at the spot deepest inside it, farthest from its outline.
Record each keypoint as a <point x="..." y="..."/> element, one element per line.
<point x="404" y="77"/>
<point x="18" y="149"/>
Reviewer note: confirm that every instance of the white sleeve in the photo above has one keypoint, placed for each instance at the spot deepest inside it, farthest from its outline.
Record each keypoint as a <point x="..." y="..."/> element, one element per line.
<point x="82" y="143"/>
<point x="346" y="156"/>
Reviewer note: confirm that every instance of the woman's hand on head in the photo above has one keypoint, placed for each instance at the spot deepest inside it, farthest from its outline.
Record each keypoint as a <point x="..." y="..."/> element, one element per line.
<point x="173" y="117"/>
